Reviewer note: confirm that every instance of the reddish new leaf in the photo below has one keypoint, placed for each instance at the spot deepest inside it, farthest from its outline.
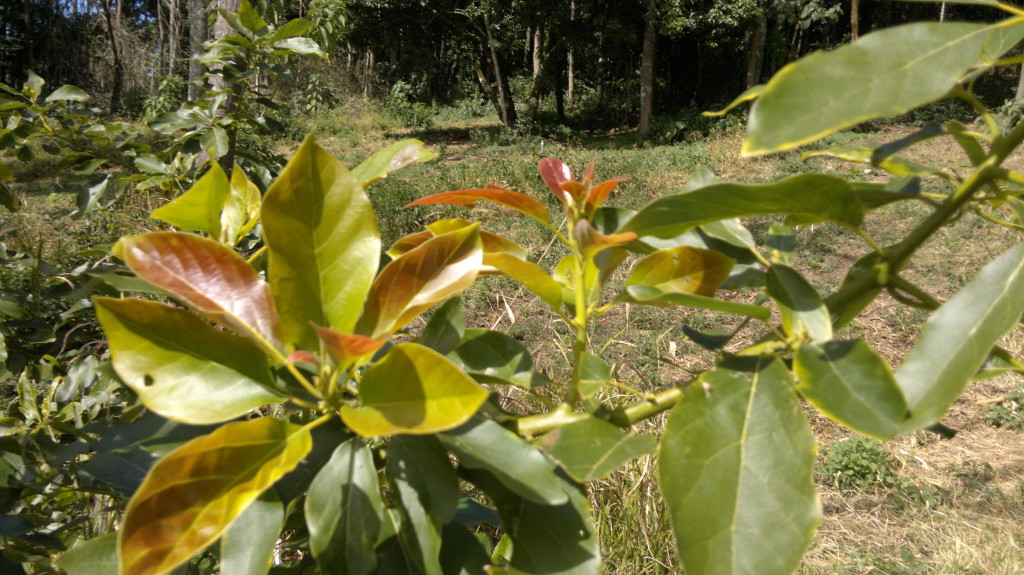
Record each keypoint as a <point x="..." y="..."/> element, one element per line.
<point x="598" y="193"/>
<point x="554" y="172"/>
<point x="347" y="347"/>
<point x="210" y="278"/>
<point x="427" y="275"/>
<point x="508" y="198"/>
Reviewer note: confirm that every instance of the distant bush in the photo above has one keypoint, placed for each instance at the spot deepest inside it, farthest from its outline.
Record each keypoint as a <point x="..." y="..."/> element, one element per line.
<point x="859" y="463"/>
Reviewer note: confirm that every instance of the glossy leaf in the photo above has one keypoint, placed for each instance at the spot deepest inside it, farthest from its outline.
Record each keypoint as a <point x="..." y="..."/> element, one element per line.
<point x="413" y="389"/>
<point x="428" y="490"/>
<point x="740" y="457"/>
<point x="346" y="348"/>
<point x="96" y="556"/>
<point x="469" y="198"/>
<point x="683" y="269"/>
<point x="215" y="142"/>
<point x="300" y="45"/>
<point x="323" y="244"/>
<point x="957" y="339"/>
<point x="445" y="328"/>
<point x="69" y="93"/>
<point x="555" y="173"/>
<point x="595" y="374"/>
<point x="546" y="539"/>
<point x="199" y="208"/>
<point x="853" y="385"/>
<point x="429" y="274"/>
<point x="493" y="357"/>
<point x="874" y="195"/>
<point x="208" y="277"/>
<point x="483" y="444"/>
<point x="344" y="511"/>
<point x="391" y="159"/>
<point x="241" y="209"/>
<point x="591" y="449"/>
<point x="804" y="314"/>
<point x="885" y="73"/>
<point x="650" y="295"/>
<point x="247" y="547"/>
<point x="192" y="495"/>
<point x="530" y="275"/>
<point x="182" y="367"/>
<point x="813" y="196"/>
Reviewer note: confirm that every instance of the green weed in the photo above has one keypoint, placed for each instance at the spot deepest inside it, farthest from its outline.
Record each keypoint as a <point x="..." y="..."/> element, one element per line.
<point x="859" y="463"/>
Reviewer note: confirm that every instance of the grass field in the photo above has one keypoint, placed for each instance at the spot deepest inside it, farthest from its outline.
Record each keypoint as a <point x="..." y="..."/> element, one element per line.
<point x="915" y="505"/>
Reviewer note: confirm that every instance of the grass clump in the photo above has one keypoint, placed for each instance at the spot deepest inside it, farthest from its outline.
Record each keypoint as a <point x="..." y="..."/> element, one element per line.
<point x="859" y="463"/>
<point x="1008" y="413"/>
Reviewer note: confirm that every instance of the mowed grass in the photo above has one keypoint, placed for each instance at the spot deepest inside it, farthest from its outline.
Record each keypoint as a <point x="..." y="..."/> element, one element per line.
<point x="957" y="505"/>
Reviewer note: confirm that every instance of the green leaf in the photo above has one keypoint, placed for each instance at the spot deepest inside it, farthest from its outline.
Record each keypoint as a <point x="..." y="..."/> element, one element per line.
<point x="247" y="547"/>
<point x="813" y="196"/>
<point x="885" y="73"/>
<point x="192" y="495"/>
<point x="152" y="164"/>
<point x="558" y="539"/>
<point x="595" y="374"/>
<point x="249" y="18"/>
<point x="738" y="454"/>
<point x="428" y="491"/>
<point x="200" y="207"/>
<point x="96" y="556"/>
<point x="468" y="198"/>
<point x="804" y="314"/>
<point x="208" y="277"/>
<point x="852" y="385"/>
<point x="323" y="242"/>
<point x="184" y="119"/>
<point x="650" y="295"/>
<point x="483" y="444"/>
<point x="493" y="357"/>
<point x="182" y="367"/>
<point x="429" y="274"/>
<point x="5" y="172"/>
<point x="445" y="328"/>
<point x="684" y="270"/>
<point x="241" y="208"/>
<point x="291" y="28"/>
<point x="300" y="45"/>
<point x="8" y="199"/>
<point x="530" y="275"/>
<point x="215" y="142"/>
<point x="391" y="159"/>
<point x="591" y="449"/>
<point x="957" y="339"/>
<point x="413" y="389"/>
<point x="232" y="19"/>
<point x="344" y="511"/>
<point x="33" y="87"/>
<point x="70" y="93"/>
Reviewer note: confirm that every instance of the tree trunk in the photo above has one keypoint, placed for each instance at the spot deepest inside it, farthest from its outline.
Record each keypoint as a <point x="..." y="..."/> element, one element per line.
<point x="221" y="29"/>
<point x="855" y="19"/>
<point x="507" y="108"/>
<point x="173" y="35"/>
<point x="647" y="70"/>
<point x="115" y="50"/>
<point x="198" y="25"/>
<point x="570" y="87"/>
<point x="485" y="85"/>
<point x="755" y="61"/>
<point x="539" y="58"/>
